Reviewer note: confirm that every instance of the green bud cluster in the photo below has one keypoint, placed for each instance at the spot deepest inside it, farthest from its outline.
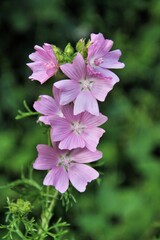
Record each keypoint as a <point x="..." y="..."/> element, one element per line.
<point x="64" y="56"/>
<point x="69" y="53"/>
<point x="82" y="47"/>
<point x="20" y="207"/>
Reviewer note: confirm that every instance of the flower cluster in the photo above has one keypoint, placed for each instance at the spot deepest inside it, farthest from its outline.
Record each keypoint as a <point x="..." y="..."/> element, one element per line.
<point x="73" y="112"/>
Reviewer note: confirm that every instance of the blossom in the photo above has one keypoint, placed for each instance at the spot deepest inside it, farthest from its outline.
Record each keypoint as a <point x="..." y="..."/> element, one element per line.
<point x="77" y="131"/>
<point x="44" y="63"/>
<point x="65" y="166"/>
<point x="100" y="58"/>
<point x="82" y="88"/>
<point x="48" y="106"/>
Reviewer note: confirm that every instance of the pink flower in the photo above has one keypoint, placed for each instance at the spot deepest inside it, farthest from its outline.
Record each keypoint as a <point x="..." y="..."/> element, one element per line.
<point x="45" y="64"/>
<point x="81" y="88"/>
<point x="48" y="106"/>
<point x="100" y="58"/>
<point x="77" y="131"/>
<point x="66" y="166"/>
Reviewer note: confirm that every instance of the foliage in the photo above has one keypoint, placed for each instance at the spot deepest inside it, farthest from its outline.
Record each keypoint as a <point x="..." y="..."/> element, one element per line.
<point x="20" y="224"/>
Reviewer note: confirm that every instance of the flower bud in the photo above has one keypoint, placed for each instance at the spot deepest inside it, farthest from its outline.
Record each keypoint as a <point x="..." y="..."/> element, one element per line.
<point x="21" y="207"/>
<point x="82" y="48"/>
<point x="58" y="53"/>
<point x="69" y="50"/>
<point x="80" y="45"/>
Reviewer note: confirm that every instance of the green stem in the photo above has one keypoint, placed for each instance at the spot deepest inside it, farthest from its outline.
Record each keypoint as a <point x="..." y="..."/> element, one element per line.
<point x="25" y="114"/>
<point x="23" y="181"/>
<point x="20" y="234"/>
<point x="46" y="216"/>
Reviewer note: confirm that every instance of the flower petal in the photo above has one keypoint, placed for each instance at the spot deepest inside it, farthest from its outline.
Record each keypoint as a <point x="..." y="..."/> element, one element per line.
<point x="72" y="141"/>
<point x="40" y="76"/>
<point x="111" y="60"/>
<point x="68" y="113"/>
<point x="69" y="90"/>
<point x="99" y="47"/>
<point x="85" y="156"/>
<point x="60" y="129"/>
<point x="47" y="158"/>
<point x="58" y="178"/>
<point x="56" y="94"/>
<point x="80" y="175"/>
<point x="46" y="105"/>
<point x="44" y="119"/>
<point x="76" y="70"/>
<point x="86" y="102"/>
<point x="101" y="88"/>
<point x="93" y="121"/>
<point x="92" y="136"/>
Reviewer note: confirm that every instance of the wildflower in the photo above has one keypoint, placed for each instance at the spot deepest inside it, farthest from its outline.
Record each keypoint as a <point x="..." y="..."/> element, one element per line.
<point x="48" y="106"/>
<point x="77" y="131"/>
<point x="100" y="58"/>
<point x="44" y="63"/>
<point x="82" y="88"/>
<point x="66" y="166"/>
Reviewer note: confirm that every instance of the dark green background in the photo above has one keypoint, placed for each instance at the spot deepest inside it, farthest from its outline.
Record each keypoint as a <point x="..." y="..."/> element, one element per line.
<point x="126" y="204"/>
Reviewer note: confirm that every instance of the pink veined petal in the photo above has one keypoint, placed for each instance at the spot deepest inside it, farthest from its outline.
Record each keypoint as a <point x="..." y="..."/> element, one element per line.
<point x="49" y="50"/>
<point x="111" y="60"/>
<point x="76" y="70"/>
<point x="47" y="158"/>
<point x="57" y="177"/>
<point x="96" y="37"/>
<point x="40" y="76"/>
<point x="36" y="66"/>
<point x="80" y="175"/>
<point x="56" y="94"/>
<point x="92" y="137"/>
<point x="99" y="47"/>
<point x="50" y="72"/>
<point x="60" y="129"/>
<point x="38" y="56"/>
<point x="44" y="119"/>
<point x="101" y="87"/>
<point x="85" y="156"/>
<point x="108" y="74"/>
<point x="72" y="141"/>
<point x="45" y="64"/>
<point x="93" y="121"/>
<point x="68" y="113"/>
<point x="69" y="90"/>
<point x="86" y="102"/>
<point x="46" y="53"/>
<point x="65" y="85"/>
<point x="46" y="105"/>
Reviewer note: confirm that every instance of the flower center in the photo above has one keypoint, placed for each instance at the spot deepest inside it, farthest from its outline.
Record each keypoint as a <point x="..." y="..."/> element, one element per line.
<point x="98" y="61"/>
<point x="49" y="65"/>
<point x="77" y="127"/>
<point x="65" y="160"/>
<point x="86" y="84"/>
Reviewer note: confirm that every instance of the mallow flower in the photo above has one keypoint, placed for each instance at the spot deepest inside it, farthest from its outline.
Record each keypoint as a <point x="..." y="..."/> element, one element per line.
<point x="65" y="166"/>
<point x="82" y="88"/>
<point x="48" y="106"/>
<point x="77" y="131"/>
<point x="100" y="58"/>
<point x="44" y="64"/>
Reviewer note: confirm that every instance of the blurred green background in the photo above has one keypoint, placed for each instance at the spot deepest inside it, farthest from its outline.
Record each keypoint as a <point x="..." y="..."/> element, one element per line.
<point x="126" y="204"/>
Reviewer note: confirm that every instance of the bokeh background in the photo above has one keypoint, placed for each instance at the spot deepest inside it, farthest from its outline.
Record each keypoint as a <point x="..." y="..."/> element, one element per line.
<point x="126" y="203"/>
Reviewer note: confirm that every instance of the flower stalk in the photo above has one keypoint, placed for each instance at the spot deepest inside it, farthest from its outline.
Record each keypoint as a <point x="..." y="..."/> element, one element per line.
<point x="46" y="216"/>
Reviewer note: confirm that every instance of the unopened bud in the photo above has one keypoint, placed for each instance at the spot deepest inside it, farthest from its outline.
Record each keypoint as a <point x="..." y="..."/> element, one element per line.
<point x="21" y="207"/>
<point x="80" y="45"/>
<point x="58" y="53"/>
<point x="69" y="50"/>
